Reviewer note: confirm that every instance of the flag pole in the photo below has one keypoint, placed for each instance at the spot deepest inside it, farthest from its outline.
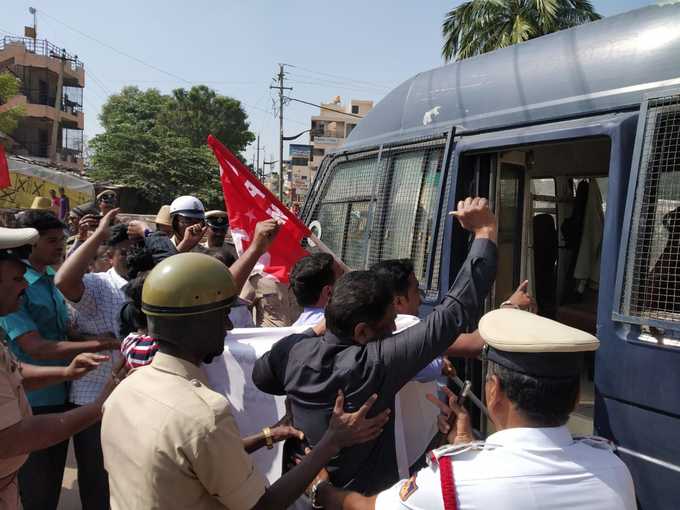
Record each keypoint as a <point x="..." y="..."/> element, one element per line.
<point x="326" y="249"/>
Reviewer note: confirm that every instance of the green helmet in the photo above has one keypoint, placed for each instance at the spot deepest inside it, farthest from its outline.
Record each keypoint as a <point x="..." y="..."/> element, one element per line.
<point x="187" y="284"/>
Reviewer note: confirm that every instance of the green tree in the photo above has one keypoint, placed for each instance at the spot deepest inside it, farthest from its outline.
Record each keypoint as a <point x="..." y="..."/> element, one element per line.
<point x="480" y="26"/>
<point x="9" y="87"/>
<point x="200" y="111"/>
<point x="156" y="142"/>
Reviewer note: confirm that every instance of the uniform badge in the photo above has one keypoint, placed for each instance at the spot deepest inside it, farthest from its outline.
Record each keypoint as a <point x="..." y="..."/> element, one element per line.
<point x="408" y="488"/>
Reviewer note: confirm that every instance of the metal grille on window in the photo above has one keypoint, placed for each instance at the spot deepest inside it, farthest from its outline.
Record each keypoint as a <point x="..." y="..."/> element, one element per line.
<point x="375" y="207"/>
<point x="407" y="219"/>
<point x="433" y="291"/>
<point x="344" y="209"/>
<point x="652" y="271"/>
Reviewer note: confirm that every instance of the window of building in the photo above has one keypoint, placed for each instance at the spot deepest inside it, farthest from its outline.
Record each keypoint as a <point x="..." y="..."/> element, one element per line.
<point x="651" y="274"/>
<point x="355" y="109"/>
<point x="318" y="152"/>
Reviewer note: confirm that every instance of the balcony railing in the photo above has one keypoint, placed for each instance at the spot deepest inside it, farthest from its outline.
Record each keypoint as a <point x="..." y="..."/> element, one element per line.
<point x="69" y="104"/>
<point x="43" y="48"/>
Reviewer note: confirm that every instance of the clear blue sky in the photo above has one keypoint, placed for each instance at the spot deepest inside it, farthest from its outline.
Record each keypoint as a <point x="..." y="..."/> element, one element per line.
<point x="352" y="48"/>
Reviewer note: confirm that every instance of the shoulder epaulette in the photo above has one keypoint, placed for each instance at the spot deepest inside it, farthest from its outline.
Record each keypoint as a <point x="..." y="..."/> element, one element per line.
<point x="598" y="442"/>
<point x="451" y="450"/>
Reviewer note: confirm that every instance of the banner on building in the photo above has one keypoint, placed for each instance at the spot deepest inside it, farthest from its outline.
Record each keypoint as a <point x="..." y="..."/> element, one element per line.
<point x="29" y="180"/>
<point x="296" y="150"/>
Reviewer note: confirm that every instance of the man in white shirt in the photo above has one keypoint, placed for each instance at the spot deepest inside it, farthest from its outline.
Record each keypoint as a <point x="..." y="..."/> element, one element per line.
<point x="97" y="299"/>
<point x="407" y="300"/>
<point x="312" y="280"/>
<point x="531" y="462"/>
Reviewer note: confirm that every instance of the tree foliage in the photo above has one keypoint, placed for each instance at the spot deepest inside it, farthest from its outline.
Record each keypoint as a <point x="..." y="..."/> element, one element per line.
<point x="479" y="26"/>
<point x="9" y="87"/>
<point x="156" y="142"/>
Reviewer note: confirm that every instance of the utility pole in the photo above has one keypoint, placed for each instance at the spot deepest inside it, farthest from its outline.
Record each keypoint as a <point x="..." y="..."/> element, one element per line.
<point x="280" y="77"/>
<point x="258" y="172"/>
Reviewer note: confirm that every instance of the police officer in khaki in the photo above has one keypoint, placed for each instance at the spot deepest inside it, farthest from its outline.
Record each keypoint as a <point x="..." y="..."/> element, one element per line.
<point x="531" y="462"/>
<point x="20" y="432"/>
<point x="169" y="441"/>
<point x="273" y="303"/>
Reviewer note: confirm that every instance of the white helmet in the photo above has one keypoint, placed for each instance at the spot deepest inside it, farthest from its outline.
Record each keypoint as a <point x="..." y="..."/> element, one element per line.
<point x="188" y="206"/>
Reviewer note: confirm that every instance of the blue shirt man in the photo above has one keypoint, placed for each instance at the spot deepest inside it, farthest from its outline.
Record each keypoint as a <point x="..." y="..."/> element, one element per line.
<point x="312" y="280"/>
<point x="43" y="310"/>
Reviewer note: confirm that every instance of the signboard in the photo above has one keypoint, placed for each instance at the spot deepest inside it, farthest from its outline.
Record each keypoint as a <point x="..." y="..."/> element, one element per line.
<point x="296" y="150"/>
<point x="328" y="140"/>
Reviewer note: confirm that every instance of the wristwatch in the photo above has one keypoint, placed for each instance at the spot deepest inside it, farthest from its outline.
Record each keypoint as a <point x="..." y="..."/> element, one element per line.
<point x="268" y="440"/>
<point x="314" y="493"/>
<point x="509" y="304"/>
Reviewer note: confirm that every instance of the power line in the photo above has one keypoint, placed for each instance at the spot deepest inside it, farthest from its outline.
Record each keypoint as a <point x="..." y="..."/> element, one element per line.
<point x="344" y="78"/>
<point x="120" y="52"/>
<point x="316" y="79"/>
<point x="217" y="82"/>
<point x="99" y="82"/>
<point x="340" y="87"/>
<point x="325" y="108"/>
<point x="132" y="57"/>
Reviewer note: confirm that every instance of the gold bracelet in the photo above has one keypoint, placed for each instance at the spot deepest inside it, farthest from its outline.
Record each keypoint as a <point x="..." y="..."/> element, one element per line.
<point x="268" y="438"/>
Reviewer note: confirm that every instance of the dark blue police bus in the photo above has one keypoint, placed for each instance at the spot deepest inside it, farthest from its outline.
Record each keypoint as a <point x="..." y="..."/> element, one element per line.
<point x="575" y="139"/>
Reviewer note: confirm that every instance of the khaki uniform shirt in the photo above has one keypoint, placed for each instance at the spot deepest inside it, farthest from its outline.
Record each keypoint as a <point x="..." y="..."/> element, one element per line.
<point x="14" y="407"/>
<point x="274" y="303"/>
<point x="170" y="442"/>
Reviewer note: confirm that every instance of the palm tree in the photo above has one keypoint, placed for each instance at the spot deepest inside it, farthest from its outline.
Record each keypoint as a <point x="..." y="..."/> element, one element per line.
<point x="479" y="26"/>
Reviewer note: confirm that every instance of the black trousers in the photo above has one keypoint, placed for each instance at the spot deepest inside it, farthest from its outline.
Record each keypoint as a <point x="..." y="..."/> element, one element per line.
<point x="41" y="477"/>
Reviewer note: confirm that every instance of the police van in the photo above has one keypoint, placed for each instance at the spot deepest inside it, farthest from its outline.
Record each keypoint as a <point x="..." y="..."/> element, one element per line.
<point x="575" y="139"/>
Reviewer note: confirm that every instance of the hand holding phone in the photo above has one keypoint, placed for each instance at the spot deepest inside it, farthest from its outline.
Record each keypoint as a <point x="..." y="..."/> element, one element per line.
<point x="464" y="392"/>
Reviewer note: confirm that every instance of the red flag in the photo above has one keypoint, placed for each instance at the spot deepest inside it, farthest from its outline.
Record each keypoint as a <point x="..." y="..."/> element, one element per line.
<point x="249" y="202"/>
<point x="4" y="170"/>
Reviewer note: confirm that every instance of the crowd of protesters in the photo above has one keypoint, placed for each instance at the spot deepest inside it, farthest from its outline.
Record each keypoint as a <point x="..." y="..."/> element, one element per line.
<point x="108" y="323"/>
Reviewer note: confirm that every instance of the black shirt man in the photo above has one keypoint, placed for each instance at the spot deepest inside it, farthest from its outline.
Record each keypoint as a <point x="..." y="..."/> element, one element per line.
<point x="359" y="356"/>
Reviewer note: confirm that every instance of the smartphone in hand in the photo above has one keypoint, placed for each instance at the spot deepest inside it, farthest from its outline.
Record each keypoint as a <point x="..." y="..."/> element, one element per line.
<point x="464" y="392"/>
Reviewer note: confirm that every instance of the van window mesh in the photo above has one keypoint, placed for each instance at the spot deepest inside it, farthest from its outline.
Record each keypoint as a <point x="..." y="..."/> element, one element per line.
<point x="652" y="270"/>
<point x="382" y="206"/>
<point x="345" y="207"/>
<point x="413" y="191"/>
<point x="436" y="266"/>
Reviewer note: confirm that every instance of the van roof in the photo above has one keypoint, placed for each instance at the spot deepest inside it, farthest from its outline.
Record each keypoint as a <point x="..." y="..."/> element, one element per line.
<point x="597" y="67"/>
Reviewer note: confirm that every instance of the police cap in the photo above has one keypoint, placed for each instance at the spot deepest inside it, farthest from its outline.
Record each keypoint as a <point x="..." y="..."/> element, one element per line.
<point x="15" y="243"/>
<point x="534" y="345"/>
<point x="217" y="219"/>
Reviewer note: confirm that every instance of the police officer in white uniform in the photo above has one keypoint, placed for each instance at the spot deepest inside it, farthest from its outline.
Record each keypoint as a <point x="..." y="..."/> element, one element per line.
<point x="532" y="461"/>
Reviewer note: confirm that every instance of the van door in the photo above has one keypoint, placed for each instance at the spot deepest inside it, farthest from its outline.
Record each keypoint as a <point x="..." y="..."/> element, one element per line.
<point x="637" y="373"/>
<point x="509" y="202"/>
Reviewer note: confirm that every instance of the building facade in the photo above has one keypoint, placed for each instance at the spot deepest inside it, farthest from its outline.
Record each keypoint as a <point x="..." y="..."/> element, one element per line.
<point x="298" y="173"/>
<point x="52" y="83"/>
<point x="332" y="126"/>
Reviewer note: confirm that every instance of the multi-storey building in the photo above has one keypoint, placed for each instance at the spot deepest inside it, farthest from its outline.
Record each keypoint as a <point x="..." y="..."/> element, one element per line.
<point x="52" y="82"/>
<point x="332" y="126"/>
<point x="298" y="173"/>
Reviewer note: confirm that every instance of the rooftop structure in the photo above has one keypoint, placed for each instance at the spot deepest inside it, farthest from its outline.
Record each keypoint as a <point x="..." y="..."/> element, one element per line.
<point x="52" y="82"/>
